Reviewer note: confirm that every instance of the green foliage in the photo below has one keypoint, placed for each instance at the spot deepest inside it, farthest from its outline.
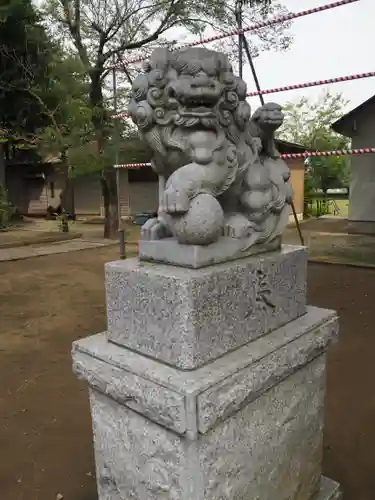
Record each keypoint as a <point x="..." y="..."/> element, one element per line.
<point x="276" y="37"/>
<point x="134" y="150"/>
<point x="316" y="206"/>
<point x="102" y="31"/>
<point x="62" y="222"/>
<point x="128" y="149"/>
<point x="44" y="91"/>
<point x="6" y="210"/>
<point x="24" y="54"/>
<point x="309" y="123"/>
<point x="70" y="125"/>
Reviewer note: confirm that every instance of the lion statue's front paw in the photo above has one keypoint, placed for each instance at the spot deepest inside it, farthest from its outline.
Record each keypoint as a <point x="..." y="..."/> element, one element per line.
<point x="175" y="202"/>
<point x="237" y="226"/>
<point x="154" y="229"/>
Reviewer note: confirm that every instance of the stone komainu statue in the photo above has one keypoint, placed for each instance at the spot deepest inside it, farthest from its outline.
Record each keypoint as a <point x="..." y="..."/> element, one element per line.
<point x="220" y="173"/>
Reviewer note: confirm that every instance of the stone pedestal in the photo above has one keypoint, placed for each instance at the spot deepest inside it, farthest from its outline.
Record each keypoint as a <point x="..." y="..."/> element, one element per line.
<point x="187" y="317"/>
<point x="209" y="384"/>
<point x="169" y="251"/>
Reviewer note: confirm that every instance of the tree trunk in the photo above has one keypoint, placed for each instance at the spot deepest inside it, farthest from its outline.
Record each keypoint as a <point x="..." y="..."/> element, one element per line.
<point x="2" y="167"/>
<point x="67" y="199"/>
<point x="109" y="192"/>
<point x="67" y="195"/>
<point x="108" y="175"/>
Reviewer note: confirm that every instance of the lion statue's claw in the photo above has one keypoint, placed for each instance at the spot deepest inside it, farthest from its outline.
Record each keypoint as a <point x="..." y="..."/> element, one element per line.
<point x="154" y="229"/>
<point x="237" y="226"/>
<point x="175" y="202"/>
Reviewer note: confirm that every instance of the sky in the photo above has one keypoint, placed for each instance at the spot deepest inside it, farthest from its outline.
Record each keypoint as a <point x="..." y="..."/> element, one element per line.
<point x="328" y="44"/>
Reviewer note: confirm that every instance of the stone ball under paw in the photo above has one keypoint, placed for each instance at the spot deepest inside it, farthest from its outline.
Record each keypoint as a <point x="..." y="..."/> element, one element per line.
<point x="202" y="224"/>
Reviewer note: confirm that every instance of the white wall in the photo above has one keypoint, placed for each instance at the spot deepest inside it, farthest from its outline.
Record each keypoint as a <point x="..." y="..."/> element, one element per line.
<point x="362" y="185"/>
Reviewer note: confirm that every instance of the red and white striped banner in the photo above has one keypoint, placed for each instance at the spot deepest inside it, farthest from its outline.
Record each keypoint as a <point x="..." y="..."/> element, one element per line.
<point x="296" y="86"/>
<point x="254" y="27"/>
<point x="132" y="166"/>
<point x="316" y="83"/>
<point x="286" y="156"/>
<point x="343" y="152"/>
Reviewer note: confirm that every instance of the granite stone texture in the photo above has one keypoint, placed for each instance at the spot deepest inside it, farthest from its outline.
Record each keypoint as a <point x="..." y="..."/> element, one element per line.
<point x="162" y="393"/>
<point x="245" y="426"/>
<point x="158" y="403"/>
<point x="329" y="490"/>
<point x="169" y="251"/>
<point x="269" y="450"/>
<point x="187" y="317"/>
<point x="218" y="166"/>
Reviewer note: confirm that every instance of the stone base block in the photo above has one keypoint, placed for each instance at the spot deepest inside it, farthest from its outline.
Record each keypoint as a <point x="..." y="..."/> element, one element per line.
<point x="169" y="251"/>
<point x="187" y="317"/>
<point x="361" y="227"/>
<point x="247" y="426"/>
<point x="329" y="490"/>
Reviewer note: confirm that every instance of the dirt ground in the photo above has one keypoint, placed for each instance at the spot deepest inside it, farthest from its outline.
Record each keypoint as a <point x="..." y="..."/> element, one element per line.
<point x="45" y="430"/>
<point x="328" y="241"/>
<point x="21" y="238"/>
<point x="319" y="225"/>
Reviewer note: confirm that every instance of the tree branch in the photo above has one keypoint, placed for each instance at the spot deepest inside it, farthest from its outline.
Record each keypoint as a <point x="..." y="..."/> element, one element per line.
<point x="125" y="69"/>
<point x="74" y="26"/>
<point x="163" y="26"/>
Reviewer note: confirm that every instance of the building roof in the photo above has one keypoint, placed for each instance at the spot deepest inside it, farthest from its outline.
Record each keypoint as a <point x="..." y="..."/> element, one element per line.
<point x="344" y="125"/>
<point x="140" y="152"/>
<point x="290" y="147"/>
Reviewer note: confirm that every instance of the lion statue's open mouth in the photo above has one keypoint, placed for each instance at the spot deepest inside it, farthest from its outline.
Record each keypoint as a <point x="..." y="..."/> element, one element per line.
<point x="197" y="109"/>
<point x="198" y="97"/>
